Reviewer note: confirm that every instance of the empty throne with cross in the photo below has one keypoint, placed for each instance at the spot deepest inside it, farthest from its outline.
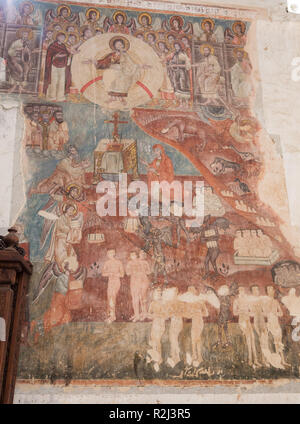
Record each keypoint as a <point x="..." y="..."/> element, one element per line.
<point x="116" y="155"/>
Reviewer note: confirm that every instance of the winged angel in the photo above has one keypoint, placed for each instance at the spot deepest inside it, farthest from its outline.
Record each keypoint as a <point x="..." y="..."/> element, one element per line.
<point x="24" y="14"/>
<point x="146" y="23"/>
<point x="92" y="18"/>
<point x="177" y="25"/>
<point x="207" y="31"/>
<point x="64" y="223"/>
<point x="119" y="23"/>
<point x="62" y="15"/>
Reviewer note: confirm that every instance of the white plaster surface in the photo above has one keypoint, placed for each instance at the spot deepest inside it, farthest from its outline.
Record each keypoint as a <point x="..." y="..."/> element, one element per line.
<point x="8" y="115"/>
<point x="250" y="394"/>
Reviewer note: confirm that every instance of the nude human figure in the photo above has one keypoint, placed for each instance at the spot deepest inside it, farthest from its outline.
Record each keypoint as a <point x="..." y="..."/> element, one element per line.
<point x="138" y="270"/>
<point x="145" y="271"/>
<point x="113" y="269"/>
<point x="176" y="326"/>
<point x="195" y="309"/>
<point x="196" y="332"/>
<point x="259" y="324"/>
<point x="242" y="308"/>
<point x="158" y="314"/>
<point x="292" y="303"/>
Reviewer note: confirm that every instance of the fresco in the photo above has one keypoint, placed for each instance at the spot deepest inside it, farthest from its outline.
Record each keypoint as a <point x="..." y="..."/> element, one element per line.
<point x="153" y="96"/>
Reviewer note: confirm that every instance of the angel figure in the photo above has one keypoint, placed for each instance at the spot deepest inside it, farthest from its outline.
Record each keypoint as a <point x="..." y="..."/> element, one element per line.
<point x="66" y="228"/>
<point x="67" y="293"/>
<point x="145" y="21"/>
<point x="225" y="295"/>
<point x="176" y="25"/>
<point x="208" y="32"/>
<point x="24" y="15"/>
<point x="237" y="35"/>
<point x="91" y="18"/>
<point x="63" y="16"/>
<point x="119" y="23"/>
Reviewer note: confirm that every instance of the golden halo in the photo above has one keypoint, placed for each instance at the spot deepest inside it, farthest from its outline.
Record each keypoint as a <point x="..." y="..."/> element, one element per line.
<point x="68" y="26"/>
<point x="51" y="27"/>
<point x="212" y="23"/>
<point x="59" y="32"/>
<point x="164" y="42"/>
<point x="180" y="43"/>
<point x="239" y="49"/>
<point x="212" y="50"/>
<point x="22" y="30"/>
<point x="188" y="37"/>
<point x="138" y="33"/>
<point x="66" y="204"/>
<point x="63" y="6"/>
<point x="161" y="31"/>
<point x="176" y="18"/>
<point x="145" y="14"/>
<point x="170" y="45"/>
<point x="73" y="185"/>
<point x="235" y="24"/>
<point x="114" y="39"/>
<point x="91" y="9"/>
<point x="119" y="12"/>
<point x="150" y="32"/>
<point x="83" y="28"/>
<point x="24" y="3"/>
<point x="75" y="34"/>
<point x="171" y="33"/>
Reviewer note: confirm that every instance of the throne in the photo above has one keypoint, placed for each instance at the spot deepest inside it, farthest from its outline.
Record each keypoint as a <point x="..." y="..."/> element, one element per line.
<point x="113" y="156"/>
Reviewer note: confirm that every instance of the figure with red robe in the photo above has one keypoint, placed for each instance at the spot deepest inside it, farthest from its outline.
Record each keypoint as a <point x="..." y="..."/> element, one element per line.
<point x="161" y="168"/>
<point x="118" y="23"/>
<point x="57" y="79"/>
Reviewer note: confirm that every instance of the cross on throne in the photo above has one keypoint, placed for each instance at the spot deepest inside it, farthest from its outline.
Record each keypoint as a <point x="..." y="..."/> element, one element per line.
<point x="116" y="155"/>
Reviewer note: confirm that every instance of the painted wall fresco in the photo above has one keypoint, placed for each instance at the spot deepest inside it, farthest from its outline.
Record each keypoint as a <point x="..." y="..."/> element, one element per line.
<point x="156" y="96"/>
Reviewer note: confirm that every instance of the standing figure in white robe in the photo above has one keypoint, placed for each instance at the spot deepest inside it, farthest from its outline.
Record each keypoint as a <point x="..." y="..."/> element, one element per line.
<point x="241" y="76"/>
